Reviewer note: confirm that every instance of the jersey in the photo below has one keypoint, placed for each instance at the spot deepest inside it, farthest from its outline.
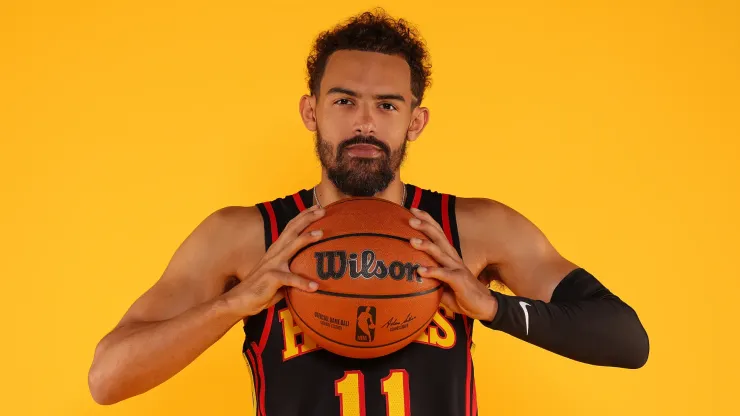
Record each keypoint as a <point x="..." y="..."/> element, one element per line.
<point x="292" y="376"/>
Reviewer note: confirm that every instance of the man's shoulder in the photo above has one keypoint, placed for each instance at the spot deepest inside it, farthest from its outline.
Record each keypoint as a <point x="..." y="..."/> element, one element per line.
<point x="492" y="221"/>
<point x="482" y="208"/>
<point x="252" y="215"/>
<point x="235" y="216"/>
<point x="250" y="220"/>
<point x="238" y="226"/>
<point x="476" y="210"/>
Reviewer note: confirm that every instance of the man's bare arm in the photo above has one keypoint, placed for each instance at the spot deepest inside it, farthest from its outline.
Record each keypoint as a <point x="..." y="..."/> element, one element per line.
<point x="183" y="313"/>
<point x="186" y="311"/>
<point x="558" y="305"/>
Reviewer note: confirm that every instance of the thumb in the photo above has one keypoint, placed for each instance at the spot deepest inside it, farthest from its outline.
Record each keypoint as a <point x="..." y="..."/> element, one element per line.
<point x="449" y="300"/>
<point x="276" y="298"/>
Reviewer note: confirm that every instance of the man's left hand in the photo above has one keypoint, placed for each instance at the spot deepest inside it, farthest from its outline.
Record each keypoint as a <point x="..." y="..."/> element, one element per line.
<point x="463" y="292"/>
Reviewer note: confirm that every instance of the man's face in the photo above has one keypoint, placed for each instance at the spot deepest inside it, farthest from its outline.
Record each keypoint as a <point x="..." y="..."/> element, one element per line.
<point x="363" y="114"/>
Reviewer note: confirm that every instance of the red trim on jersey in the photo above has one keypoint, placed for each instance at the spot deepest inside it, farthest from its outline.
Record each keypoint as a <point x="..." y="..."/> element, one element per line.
<point x="468" y="325"/>
<point x="469" y="367"/>
<point x="446" y="217"/>
<point x="406" y="393"/>
<point x="262" y="378"/>
<point x="271" y="310"/>
<point x="475" y="401"/>
<point x="266" y="329"/>
<point x="417" y="197"/>
<point x="259" y="348"/>
<point x="298" y="202"/>
<point x="273" y="221"/>
<point x="259" y="387"/>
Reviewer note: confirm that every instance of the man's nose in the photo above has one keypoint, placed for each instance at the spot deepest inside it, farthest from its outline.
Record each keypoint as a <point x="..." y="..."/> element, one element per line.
<point x="365" y="122"/>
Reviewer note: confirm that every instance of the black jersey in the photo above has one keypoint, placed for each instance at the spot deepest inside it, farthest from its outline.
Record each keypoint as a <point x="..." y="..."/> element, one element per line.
<point x="291" y="376"/>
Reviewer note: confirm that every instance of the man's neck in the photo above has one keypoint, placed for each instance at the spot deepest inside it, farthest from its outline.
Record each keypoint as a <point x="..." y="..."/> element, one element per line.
<point x="327" y="193"/>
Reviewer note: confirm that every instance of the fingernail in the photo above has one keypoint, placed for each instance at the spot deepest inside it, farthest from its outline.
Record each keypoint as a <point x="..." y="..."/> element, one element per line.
<point x="313" y="285"/>
<point x="316" y="233"/>
<point x="415" y="241"/>
<point x="422" y="269"/>
<point x="414" y="221"/>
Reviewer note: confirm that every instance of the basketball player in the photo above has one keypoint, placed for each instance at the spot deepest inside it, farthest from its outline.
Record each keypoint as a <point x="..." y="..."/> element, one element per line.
<point x="366" y="84"/>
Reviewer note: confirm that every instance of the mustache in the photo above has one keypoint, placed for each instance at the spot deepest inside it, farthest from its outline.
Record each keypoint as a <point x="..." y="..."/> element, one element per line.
<point x="359" y="139"/>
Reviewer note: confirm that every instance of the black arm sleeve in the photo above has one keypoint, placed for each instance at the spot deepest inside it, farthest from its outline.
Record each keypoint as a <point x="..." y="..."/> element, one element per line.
<point x="583" y="321"/>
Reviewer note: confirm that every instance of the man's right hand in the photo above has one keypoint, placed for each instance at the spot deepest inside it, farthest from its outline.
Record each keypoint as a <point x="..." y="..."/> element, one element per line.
<point x="263" y="286"/>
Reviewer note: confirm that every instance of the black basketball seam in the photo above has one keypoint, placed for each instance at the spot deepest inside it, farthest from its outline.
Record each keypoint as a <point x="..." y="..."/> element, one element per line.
<point x="357" y="295"/>
<point x="287" y="298"/>
<point x="394" y="237"/>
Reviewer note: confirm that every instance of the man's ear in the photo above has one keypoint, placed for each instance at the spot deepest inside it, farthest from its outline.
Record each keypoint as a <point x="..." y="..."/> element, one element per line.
<point x="419" y="120"/>
<point x="307" y="108"/>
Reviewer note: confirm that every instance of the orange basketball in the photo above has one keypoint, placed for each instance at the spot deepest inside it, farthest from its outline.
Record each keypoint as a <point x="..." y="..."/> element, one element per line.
<point x="371" y="301"/>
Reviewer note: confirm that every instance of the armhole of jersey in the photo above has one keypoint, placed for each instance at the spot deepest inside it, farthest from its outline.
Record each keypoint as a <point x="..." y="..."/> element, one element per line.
<point x="272" y="231"/>
<point x="269" y="221"/>
<point x="265" y="224"/>
<point x="270" y="226"/>
<point x="452" y="220"/>
<point x="253" y="350"/>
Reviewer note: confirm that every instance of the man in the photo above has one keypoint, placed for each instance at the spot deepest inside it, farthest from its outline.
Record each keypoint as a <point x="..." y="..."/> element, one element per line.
<point x="367" y="80"/>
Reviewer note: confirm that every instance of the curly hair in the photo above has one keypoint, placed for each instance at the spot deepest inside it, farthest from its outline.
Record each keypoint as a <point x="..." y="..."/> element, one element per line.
<point x="373" y="31"/>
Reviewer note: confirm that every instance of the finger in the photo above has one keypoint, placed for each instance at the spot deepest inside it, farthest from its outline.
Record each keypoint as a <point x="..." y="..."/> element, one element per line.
<point x="425" y="216"/>
<point x="433" y="250"/>
<point x="278" y="295"/>
<point x="436" y="235"/>
<point x="292" y="247"/>
<point x="298" y="282"/>
<point x="444" y="275"/>
<point x="426" y="224"/>
<point x="296" y="226"/>
<point x="448" y="300"/>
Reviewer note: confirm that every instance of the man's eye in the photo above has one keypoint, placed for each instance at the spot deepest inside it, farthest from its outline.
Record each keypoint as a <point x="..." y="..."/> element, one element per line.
<point x="343" y="101"/>
<point x="388" y="106"/>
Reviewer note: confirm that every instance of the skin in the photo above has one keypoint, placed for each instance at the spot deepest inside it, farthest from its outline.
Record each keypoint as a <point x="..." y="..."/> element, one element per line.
<point x="221" y="274"/>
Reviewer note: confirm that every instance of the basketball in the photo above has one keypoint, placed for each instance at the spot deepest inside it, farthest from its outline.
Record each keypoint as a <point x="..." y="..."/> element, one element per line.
<point x="370" y="301"/>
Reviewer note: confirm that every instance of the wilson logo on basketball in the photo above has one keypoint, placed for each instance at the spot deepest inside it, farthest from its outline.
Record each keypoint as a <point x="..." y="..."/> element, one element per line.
<point x="334" y="265"/>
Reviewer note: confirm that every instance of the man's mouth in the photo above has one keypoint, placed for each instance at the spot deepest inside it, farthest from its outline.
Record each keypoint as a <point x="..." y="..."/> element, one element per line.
<point x="364" y="150"/>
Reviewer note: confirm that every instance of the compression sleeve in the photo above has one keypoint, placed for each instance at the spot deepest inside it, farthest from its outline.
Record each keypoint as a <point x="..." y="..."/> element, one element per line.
<point x="583" y="321"/>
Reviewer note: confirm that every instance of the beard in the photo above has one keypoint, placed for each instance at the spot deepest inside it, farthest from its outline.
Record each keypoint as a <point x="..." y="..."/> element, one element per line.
<point x="356" y="176"/>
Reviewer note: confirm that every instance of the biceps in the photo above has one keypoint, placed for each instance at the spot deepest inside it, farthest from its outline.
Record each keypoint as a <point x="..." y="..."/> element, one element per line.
<point x="535" y="275"/>
<point x="530" y="265"/>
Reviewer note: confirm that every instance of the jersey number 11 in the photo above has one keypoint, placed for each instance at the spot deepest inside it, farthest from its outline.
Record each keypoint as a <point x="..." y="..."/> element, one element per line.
<point x="351" y="392"/>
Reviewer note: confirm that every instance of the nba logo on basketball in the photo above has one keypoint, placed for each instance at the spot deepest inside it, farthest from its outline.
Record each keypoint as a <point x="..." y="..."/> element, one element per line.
<point x="365" y="329"/>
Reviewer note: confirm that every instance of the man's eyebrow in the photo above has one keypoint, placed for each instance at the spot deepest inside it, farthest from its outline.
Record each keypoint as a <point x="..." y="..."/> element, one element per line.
<point x="340" y="90"/>
<point x="396" y="97"/>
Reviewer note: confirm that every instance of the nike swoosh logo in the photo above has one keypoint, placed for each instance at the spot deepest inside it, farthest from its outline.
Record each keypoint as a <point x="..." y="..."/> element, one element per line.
<point x="526" y="314"/>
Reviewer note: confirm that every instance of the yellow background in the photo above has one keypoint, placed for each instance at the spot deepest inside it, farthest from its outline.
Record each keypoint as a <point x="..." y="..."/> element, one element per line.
<point x="613" y="127"/>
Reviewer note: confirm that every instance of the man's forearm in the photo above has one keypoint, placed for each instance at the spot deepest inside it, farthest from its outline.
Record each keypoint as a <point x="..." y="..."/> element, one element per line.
<point x="583" y="321"/>
<point x="137" y="357"/>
